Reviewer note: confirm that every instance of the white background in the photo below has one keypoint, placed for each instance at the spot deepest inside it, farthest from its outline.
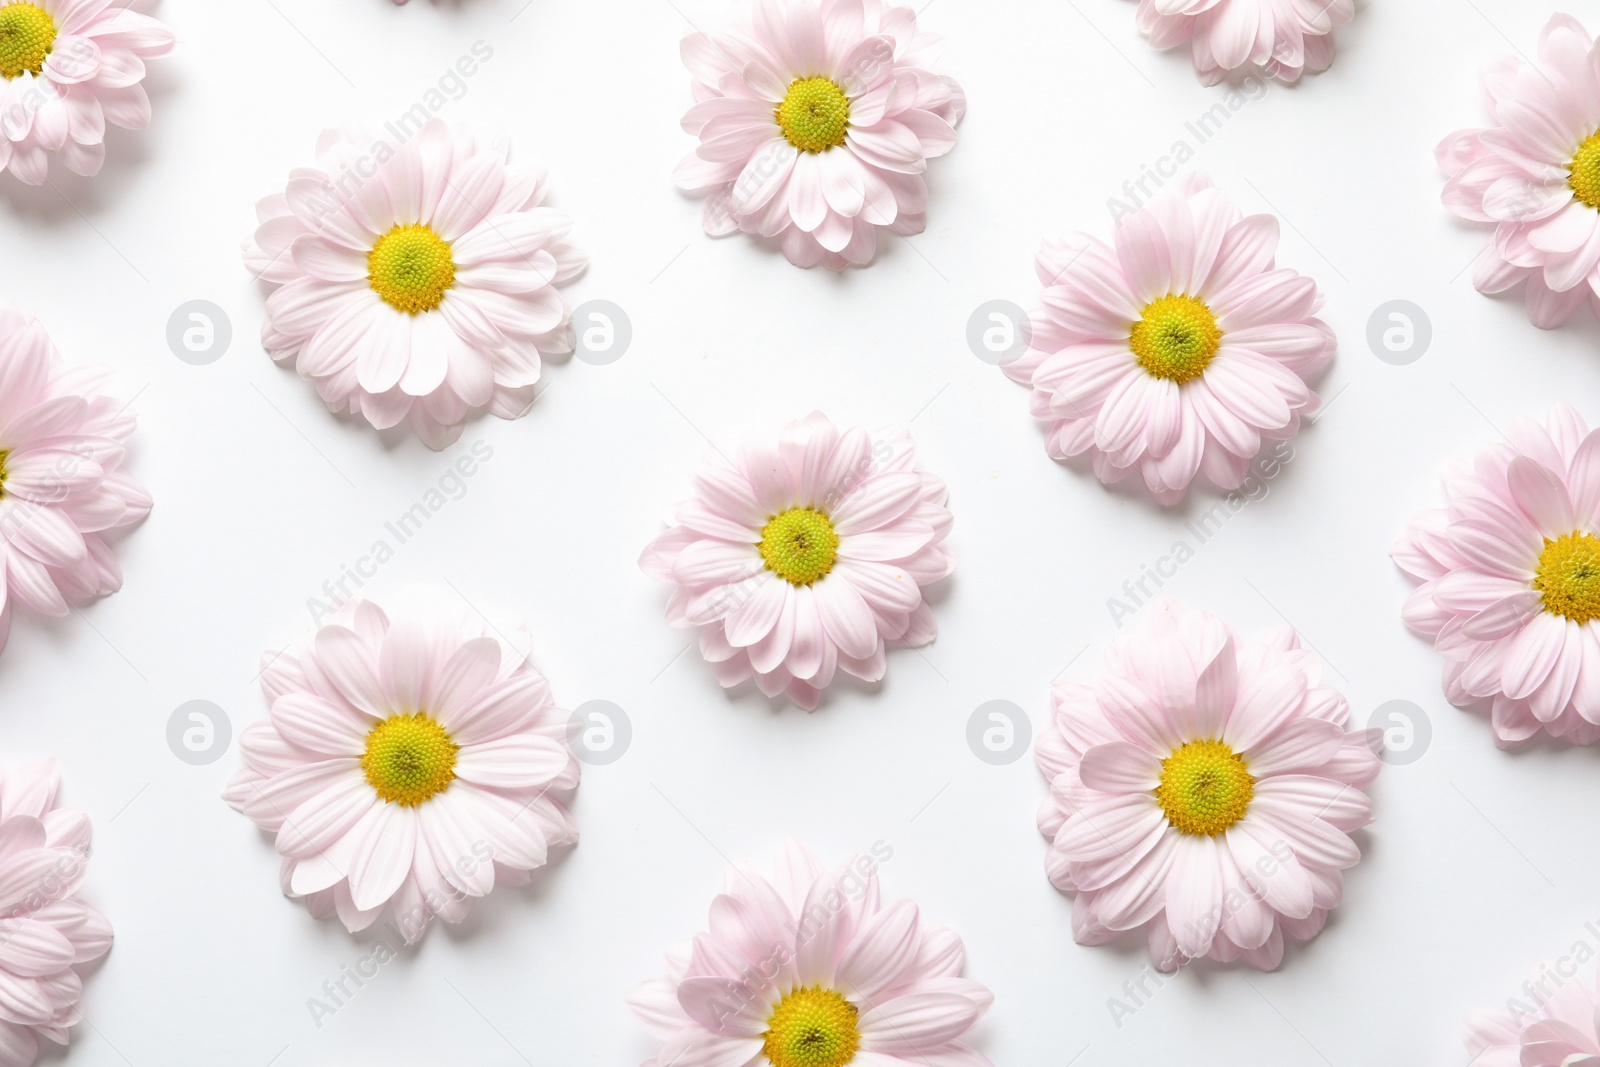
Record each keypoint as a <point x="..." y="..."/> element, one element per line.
<point x="1480" y="863"/>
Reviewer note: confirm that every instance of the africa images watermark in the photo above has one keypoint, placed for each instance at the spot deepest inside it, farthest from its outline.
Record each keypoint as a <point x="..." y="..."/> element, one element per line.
<point x="401" y="930"/>
<point x="77" y="58"/>
<point x="1139" y="991"/>
<point x="1196" y="132"/>
<point x="1137" y="592"/>
<point x="451" y="485"/>
<point x="450" y="86"/>
<point x="1136" y="993"/>
<point x="1554" y="975"/>
<point x="54" y="485"/>
<point x="53" y="884"/>
<point x="757" y="978"/>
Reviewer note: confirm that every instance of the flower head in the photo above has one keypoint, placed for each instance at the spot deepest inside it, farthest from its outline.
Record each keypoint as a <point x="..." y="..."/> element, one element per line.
<point x="1174" y="351"/>
<point x="67" y="68"/>
<point x="1510" y="573"/>
<point x="808" y="969"/>
<point x="410" y="766"/>
<point x="816" y="122"/>
<point x="62" y="485"/>
<point x="1535" y="175"/>
<point x="416" y="281"/>
<point x="805" y="556"/>
<point x="1203" y="791"/>
<point x="1281" y="38"/>
<point x="47" y="930"/>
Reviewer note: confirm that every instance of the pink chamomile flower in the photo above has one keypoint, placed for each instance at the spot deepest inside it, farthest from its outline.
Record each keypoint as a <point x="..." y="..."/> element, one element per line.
<point x="1510" y="580"/>
<point x="416" y="281"/>
<point x="815" y="123"/>
<point x="807" y="967"/>
<point x="1177" y="349"/>
<point x="47" y="931"/>
<point x="1535" y="175"/>
<point x="63" y="490"/>
<point x="70" y="67"/>
<point x="806" y="555"/>
<point x="406" y="769"/>
<point x="1203" y="792"/>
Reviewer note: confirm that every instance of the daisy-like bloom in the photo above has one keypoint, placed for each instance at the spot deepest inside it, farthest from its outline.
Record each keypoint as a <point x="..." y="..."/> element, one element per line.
<point x="1510" y="573"/>
<point x="1281" y="38"/>
<point x="1535" y="174"/>
<point x="416" y="281"/>
<point x="1203" y="790"/>
<point x="44" y="854"/>
<point x="410" y="766"/>
<point x="806" y="556"/>
<point x="70" y="67"/>
<point x="1554" y="1022"/>
<point x="62" y="486"/>
<point x="808" y="968"/>
<point x="816" y="122"/>
<point x="1176" y="349"/>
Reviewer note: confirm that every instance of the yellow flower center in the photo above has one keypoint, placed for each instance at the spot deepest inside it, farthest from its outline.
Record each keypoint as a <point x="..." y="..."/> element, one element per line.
<point x="27" y="34"/>
<point x="799" y="545"/>
<point x="409" y="758"/>
<point x="1205" y="788"/>
<point x="814" y="114"/>
<point x="1583" y="173"/>
<point x="411" y="267"/>
<point x="812" y="1027"/>
<point x="1175" y="338"/>
<point x="1569" y="576"/>
<point x="5" y="454"/>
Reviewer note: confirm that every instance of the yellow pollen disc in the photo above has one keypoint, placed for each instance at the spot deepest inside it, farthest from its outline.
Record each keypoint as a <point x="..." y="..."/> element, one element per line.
<point x="409" y="758"/>
<point x="27" y="34"/>
<point x="4" y="455"/>
<point x="811" y="1027"/>
<point x="1175" y="338"/>
<point x="799" y="545"/>
<point x="1569" y="576"/>
<point x="814" y="115"/>
<point x="1584" y="171"/>
<point x="1205" y="788"/>
<point x="411" y="267"/>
